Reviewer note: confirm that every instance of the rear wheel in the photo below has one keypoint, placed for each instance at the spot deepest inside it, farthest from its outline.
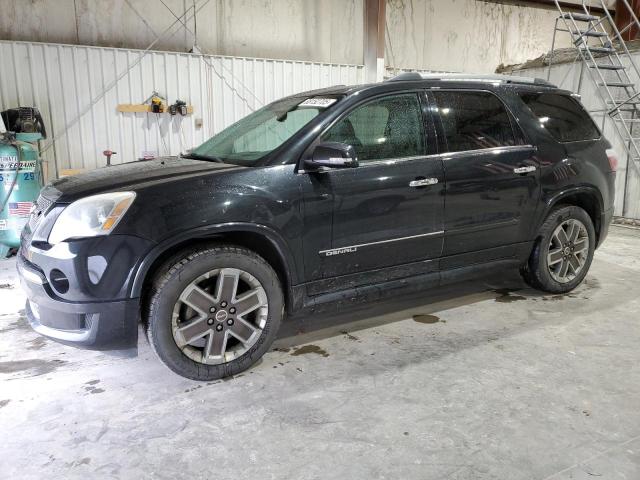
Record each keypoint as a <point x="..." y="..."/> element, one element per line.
<point x="214" y="312"/>
<point x="563" y="253"/>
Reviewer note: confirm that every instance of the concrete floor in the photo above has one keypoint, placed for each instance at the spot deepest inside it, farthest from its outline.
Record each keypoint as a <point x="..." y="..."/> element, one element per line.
<point x="476" y="382"/>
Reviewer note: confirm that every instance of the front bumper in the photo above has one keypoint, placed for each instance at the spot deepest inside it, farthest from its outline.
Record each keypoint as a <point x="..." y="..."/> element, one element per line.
<point x="98" y="325"/>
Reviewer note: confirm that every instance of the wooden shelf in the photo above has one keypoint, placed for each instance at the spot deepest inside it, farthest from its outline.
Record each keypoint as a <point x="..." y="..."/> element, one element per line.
<point x="143" y="108"/>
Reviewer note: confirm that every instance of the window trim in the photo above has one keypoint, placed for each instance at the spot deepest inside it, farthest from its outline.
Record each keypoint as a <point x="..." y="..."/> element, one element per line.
<point x="428" y="127"/>
<point x="438" y="119"/>
<point x="444" y="156"/>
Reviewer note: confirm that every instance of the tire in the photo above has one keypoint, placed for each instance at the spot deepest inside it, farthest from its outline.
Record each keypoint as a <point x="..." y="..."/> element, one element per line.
<point x="554" y="253"/>
<point x="209" y="345"/>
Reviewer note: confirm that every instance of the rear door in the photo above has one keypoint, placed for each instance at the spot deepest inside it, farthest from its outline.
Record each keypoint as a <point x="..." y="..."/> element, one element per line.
<point x="491" y="175"/>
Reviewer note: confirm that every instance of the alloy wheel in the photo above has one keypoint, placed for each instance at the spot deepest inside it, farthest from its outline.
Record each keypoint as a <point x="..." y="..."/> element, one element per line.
<point x="219" y="316"/>
<point x="568" y="250"/>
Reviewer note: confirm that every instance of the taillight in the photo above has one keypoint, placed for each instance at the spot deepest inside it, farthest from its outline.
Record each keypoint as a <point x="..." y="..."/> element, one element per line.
<point x="613" y="159"/>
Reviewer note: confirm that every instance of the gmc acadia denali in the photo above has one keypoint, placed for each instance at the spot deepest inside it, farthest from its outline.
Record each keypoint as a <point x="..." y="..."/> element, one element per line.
<point x="314" y="200"/>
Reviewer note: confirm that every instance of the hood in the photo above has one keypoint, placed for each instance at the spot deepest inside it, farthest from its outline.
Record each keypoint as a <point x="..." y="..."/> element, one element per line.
<point x="129" y="176"/>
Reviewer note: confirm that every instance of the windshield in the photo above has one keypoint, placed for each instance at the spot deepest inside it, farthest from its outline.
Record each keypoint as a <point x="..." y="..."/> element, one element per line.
<point x="258" y="134"/>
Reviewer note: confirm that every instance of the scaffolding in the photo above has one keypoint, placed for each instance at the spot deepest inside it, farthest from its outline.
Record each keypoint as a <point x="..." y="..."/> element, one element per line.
<point x="611" y="67"/>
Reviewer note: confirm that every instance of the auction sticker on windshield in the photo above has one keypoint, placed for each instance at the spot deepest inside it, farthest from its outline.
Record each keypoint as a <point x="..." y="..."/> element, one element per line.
<point x="318" y="102"/>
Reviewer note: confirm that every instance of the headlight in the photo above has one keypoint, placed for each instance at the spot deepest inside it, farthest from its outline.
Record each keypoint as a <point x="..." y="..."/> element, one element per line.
<point x="91" y="216"/>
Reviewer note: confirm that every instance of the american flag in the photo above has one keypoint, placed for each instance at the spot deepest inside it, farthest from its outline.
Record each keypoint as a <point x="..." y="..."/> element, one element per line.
<point x="20" y="208"/>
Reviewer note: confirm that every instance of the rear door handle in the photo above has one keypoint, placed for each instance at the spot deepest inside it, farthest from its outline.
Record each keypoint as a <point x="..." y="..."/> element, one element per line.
<point x="422" y="182"/>
<point x="527" y="169"/>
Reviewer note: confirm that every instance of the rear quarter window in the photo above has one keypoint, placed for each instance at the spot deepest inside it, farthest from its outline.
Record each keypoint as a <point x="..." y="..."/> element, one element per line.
<point x="562" y="116"/>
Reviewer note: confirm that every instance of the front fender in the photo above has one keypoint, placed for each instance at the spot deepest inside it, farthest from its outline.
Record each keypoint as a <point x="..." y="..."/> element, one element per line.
<point x="206" y="232"/>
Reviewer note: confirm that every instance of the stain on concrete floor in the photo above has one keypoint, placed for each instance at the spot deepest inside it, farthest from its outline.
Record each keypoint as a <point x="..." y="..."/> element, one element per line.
<point x="94" y="390"/>
<point x="91" y="388"/>
<point x="505" y="295"/>
<point x="197" y="387"/>
<point x="555" y="298"/>
<point x="309" y="349"/>
<point x="423" y="318"/>
<point x="36" y="365"/>
<point x="349" y="336"/>
<point x="20" y="323"/>
<point x="37" y="343"/>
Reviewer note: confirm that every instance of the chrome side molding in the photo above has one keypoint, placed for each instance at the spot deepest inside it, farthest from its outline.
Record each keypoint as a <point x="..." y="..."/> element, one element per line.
<point x="526" y="169"/>
<point x="423" y="182"/>
<point x="354" y="248"/>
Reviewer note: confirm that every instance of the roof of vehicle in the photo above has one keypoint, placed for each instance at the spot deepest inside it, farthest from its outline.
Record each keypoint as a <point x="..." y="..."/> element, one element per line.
<point x="434" y="79"/>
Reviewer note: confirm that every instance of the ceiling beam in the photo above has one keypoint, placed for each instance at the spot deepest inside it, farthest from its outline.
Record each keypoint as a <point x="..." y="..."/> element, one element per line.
<point x="374" y="31"/>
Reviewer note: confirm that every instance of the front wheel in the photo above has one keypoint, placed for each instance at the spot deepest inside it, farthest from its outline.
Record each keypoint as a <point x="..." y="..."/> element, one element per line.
<point x="563" y="253"/>
<point x="214" y="312"/>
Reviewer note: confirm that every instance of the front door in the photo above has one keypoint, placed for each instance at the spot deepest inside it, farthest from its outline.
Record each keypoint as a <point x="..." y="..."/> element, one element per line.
<point x="491" y="175"/>
<point x="389" y="210"/>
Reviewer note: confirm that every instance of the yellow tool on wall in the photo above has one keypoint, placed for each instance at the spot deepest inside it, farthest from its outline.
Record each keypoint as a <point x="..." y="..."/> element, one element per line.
<point x="156" y="103"/>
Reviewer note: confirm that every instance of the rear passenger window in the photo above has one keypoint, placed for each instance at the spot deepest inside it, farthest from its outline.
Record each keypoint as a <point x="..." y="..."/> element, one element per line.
<point x="562" y="116"/>
<point x="474" y="120"/>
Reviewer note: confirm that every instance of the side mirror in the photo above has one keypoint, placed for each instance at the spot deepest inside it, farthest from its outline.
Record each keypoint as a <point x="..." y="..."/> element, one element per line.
<point x="331" y="155"/>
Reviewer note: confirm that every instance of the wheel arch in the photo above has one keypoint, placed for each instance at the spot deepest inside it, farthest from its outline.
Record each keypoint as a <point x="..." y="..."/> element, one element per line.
<point x="262" y="240"/>
<point x="586" y="197"/>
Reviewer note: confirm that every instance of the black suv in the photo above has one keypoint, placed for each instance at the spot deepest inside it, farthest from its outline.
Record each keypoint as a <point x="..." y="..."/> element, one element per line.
<point x="316" y="199"/>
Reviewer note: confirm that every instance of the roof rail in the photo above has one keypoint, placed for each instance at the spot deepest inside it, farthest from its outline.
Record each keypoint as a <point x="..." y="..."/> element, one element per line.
<point x="466" y="77"/>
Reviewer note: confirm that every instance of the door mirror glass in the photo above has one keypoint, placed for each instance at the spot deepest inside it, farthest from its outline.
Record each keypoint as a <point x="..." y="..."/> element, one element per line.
<point x="331" y="155"/>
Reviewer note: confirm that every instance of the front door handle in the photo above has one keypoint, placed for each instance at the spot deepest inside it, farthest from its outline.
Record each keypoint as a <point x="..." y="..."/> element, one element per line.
<point x="422" y="182"/>
<point x="527" y="169"/>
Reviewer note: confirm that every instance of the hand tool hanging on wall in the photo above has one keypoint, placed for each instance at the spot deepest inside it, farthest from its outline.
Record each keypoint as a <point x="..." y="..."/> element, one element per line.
<point x="158" y="102"/>
<point x="178" y="107"/>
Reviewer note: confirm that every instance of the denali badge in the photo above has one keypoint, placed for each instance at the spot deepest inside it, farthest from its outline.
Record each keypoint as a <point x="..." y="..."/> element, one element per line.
<point x="338" y="251"/>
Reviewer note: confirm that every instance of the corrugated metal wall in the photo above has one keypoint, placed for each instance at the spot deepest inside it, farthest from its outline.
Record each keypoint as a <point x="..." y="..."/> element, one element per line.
<point x="567" y="75"/>
<point x="78" y="88"/>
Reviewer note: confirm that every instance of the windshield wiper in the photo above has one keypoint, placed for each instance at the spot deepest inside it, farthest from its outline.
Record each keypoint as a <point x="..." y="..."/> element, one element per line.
<point x="200" y="156"/>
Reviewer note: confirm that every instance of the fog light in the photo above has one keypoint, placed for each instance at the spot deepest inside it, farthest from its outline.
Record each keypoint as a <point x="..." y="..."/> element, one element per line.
<point x="59" y="281"/>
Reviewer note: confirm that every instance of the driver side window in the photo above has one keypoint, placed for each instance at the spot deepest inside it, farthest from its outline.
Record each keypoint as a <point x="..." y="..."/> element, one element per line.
<point x="389" y="127"/>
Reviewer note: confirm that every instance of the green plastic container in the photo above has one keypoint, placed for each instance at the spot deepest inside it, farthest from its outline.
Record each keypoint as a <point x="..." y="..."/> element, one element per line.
<point x="25" y="191"/>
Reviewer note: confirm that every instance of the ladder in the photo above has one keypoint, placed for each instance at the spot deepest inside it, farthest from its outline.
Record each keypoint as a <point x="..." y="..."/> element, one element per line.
<point x="610" y="66"/>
